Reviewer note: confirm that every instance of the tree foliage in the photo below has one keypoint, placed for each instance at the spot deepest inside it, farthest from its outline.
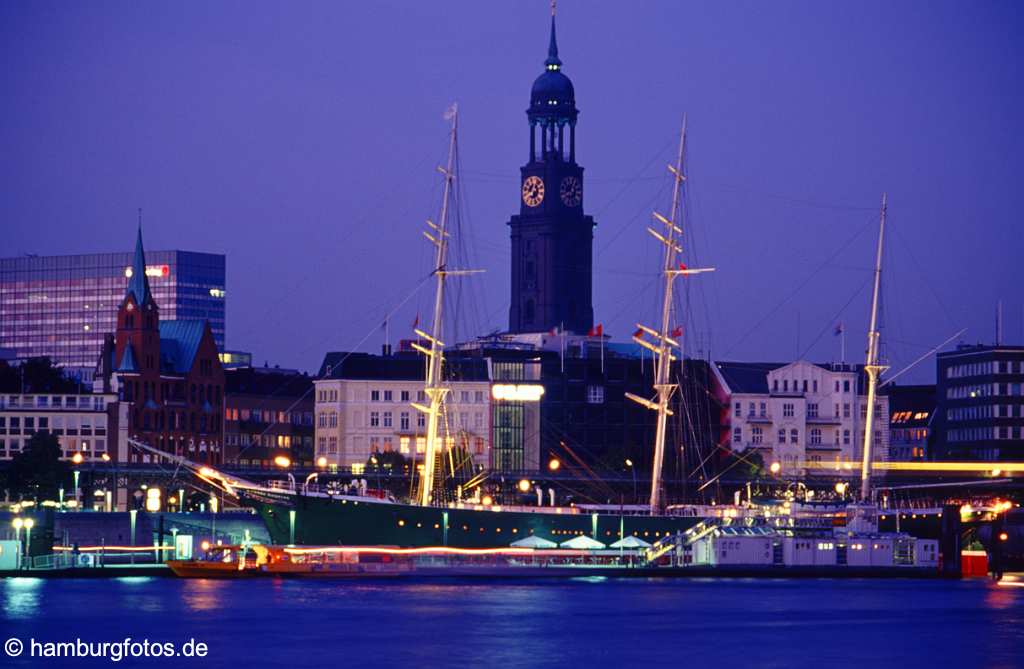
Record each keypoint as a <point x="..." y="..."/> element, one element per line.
<point x="38" y="472"/>
<point x="36" y="375"/>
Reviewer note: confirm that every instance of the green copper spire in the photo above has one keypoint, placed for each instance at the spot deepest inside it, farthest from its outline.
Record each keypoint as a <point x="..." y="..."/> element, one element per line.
<point x="138" y="283"/>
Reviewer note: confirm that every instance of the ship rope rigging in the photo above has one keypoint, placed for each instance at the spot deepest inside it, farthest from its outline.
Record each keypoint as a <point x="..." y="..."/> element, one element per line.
<point x="664" y="337"/>
<point x="435" y="387"/>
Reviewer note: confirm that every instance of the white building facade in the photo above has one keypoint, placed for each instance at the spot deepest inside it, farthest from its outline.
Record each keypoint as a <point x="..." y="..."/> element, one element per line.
<point x="91" y="425"/>
<point x="806" y="417"/>
<point x="364" y="406"/>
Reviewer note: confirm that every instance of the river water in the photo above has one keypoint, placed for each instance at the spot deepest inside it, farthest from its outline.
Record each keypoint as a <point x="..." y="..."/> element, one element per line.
<point x="699" y="623"/>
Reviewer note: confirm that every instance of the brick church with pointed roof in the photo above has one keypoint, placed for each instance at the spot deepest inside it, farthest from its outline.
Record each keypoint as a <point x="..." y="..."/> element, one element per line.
<point x="168" y="372"/>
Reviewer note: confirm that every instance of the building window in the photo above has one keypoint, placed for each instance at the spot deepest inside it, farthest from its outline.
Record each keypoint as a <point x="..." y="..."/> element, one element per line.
<point x="374" y="419"/>
<point x="737" y="435"/>
<point x="595" y="395"/>
<point x="464" y="397"/>
<point x="812" y="410"/>
<point x="794" y="436"/>
<point x="815" y="385"/>
<point x="479" y="397"/>
<point x="403" y="421"/>
<point x="846" y="437"/>
<point x="846" y="386"/>
<point x="332" y="446"/>
<point x="403" y="445"/>
<point x="387" y="419"/>
<point x="787" y="410"/>
<point x="387" y="395"/>
<point x="405" y="398"/>
<point x="375" y="396"/>
<point x="757" y="435"/>
<point x="739" y="410"/>
<point x="321" y="445"/>
<point x="750" y="410"/>
<point x="846" y="410"/>
<point x="764" y="410"/>
<point x="421" y="419"/>
<point x="775" y="385"/>
<point x="815" y="436"/>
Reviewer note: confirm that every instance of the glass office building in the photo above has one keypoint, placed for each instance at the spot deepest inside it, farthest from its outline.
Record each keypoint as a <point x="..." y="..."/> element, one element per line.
<point x="62" y="306"/>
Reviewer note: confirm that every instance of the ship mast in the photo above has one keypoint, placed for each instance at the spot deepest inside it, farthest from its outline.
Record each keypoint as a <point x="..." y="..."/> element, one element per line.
<point x="871" y="367"/>
<point x="663" y="337"/>
<point x="434" y="387"/>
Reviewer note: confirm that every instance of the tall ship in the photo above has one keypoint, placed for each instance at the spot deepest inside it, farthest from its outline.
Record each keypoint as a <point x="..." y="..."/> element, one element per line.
<point x="551" y="217"/>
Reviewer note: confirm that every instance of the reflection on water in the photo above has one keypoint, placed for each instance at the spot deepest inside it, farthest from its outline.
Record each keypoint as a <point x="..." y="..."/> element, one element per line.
<point x="202" y="594"/>
<point x="716" y="622"/>
<point x="21" y="597"/>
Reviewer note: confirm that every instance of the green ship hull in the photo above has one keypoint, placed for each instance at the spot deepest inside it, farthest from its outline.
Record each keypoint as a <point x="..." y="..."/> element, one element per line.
<point x="320" y="521"/>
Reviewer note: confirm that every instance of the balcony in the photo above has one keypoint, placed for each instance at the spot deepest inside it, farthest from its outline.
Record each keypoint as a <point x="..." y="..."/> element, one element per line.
<point x="824" y="420"/>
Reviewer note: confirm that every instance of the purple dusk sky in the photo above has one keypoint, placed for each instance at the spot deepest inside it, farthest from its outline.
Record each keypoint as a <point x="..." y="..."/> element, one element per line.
<point x="300" y="139"/>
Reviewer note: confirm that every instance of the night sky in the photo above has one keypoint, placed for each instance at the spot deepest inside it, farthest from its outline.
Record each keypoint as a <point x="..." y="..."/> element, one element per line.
<point x="300" y="139"/>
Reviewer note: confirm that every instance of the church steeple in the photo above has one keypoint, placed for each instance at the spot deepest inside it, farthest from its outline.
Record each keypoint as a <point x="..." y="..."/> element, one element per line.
<point x="553" y="63"/>
<point x="552" y="108"/>
<point x="138" y="282"/>
<point x="552" y="237"/>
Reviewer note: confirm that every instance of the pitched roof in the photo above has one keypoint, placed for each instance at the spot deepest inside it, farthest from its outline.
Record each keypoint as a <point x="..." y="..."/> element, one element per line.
<point x="179" y="343"/>
<point x="398" y="367"/>
<point x="747" y="377"/>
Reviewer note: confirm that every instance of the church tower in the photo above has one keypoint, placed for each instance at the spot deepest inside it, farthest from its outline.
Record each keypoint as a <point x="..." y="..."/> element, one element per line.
<point x="552" y="239"/>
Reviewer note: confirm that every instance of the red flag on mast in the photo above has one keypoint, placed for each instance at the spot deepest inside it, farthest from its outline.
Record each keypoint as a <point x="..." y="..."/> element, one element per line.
<point x="639" y="333"/>
<point x="678" y="332"/>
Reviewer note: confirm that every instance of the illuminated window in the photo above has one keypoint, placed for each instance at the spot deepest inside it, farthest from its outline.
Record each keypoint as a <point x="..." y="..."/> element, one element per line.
<point x="403" y="444"/>
<point x="595" y="395"/>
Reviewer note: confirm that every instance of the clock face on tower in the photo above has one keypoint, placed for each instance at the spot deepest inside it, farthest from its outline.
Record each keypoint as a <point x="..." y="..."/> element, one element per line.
<point x="571" y="192"/>
<point x="533" y="191"/>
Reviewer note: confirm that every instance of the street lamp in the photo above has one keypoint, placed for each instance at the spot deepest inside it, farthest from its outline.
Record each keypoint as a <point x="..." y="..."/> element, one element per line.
<point x="554" y="464"/>
<point x="775" y="468"/>
<point x="29" y="524"/>
<point x="629" y="463"/>
<point x="17" y="524"/>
